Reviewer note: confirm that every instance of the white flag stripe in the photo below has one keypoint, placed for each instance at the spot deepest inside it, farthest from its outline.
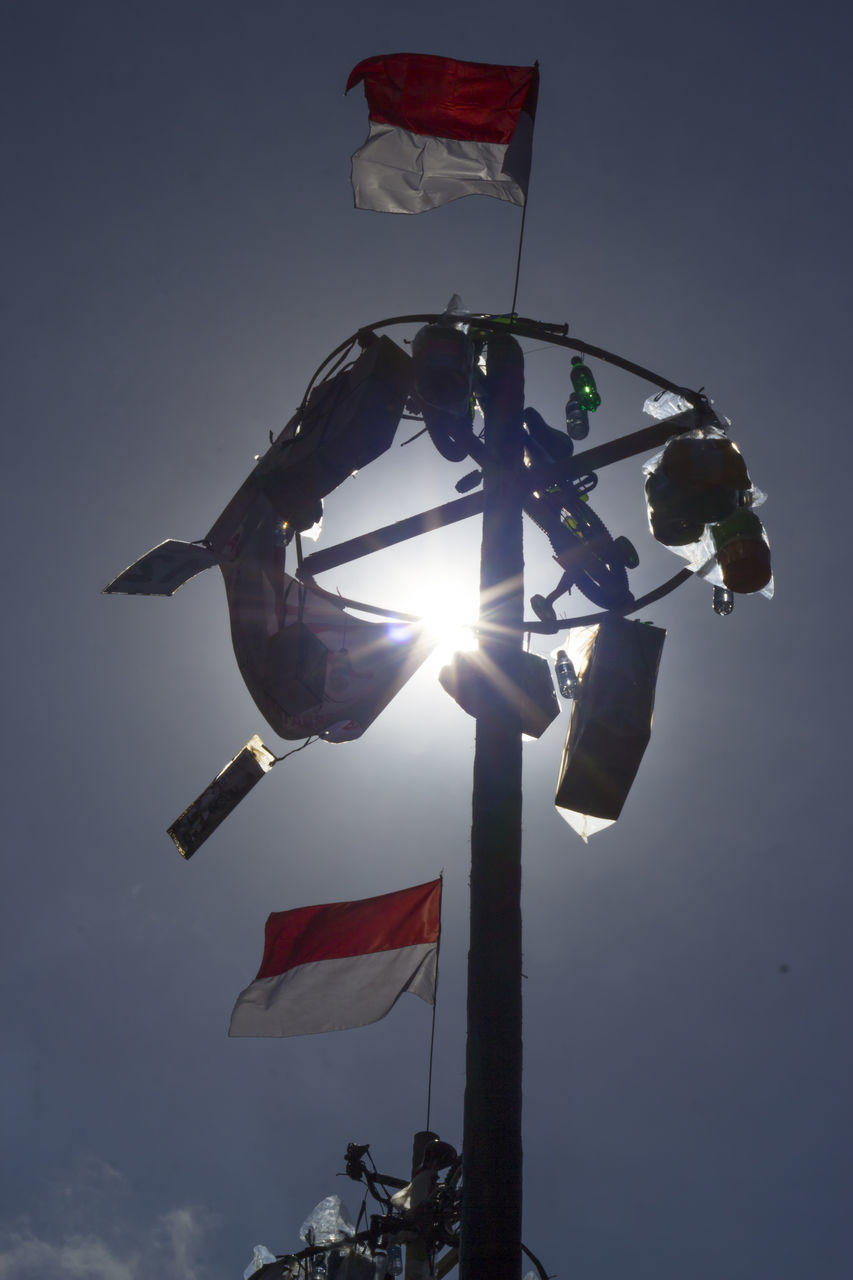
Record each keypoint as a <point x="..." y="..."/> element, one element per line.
<point x="335" y="995"/>
<point x="397" y="171"/>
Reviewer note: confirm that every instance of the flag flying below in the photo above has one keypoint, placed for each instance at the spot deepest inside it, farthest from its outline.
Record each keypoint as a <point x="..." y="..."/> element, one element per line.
<point x="329" y="968"/>
<point x="442" y="129"/>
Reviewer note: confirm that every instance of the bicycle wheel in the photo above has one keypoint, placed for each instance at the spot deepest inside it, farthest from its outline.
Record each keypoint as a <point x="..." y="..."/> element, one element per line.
<point x="582" y="543"/>
<point x="604" y="578"/>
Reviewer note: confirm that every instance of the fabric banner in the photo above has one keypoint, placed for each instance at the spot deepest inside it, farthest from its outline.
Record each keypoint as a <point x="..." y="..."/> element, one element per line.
<point x="441" y="129"/>
<point x="311" y="667"/>
<point x="342" y="965"/>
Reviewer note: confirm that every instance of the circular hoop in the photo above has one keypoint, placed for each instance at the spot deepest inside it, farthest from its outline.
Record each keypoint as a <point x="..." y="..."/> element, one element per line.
<point x="556" y="335"/>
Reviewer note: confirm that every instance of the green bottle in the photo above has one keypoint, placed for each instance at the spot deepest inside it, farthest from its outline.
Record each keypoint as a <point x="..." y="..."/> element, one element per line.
<point x="584" y="385"/>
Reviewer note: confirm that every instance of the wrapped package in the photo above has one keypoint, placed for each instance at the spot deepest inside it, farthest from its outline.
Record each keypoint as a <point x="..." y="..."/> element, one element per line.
<point x="200" y="819"/>
<point x="328" y="1222"/>
<point x="617" y="664"/>
<point x="473" y="682"/>
<point x="700" y="502"/>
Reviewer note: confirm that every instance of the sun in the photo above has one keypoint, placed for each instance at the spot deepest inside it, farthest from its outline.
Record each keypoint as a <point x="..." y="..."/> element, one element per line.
<point x="449" y="615"/>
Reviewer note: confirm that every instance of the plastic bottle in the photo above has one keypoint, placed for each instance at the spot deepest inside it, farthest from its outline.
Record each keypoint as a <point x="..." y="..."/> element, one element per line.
<point x="577" y="420"/>
<point x="319" y="1270"/>
<point x="742" y="552"/>
<point x="564" y="670"/>
<point x="723" y="601"/>
<point x="395" y="1260"/>
<point x="584" y="385"/>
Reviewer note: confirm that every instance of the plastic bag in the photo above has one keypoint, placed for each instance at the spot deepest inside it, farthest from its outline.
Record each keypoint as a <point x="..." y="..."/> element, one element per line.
<point x="260" y="1258"/>
<point x="617" y="664"/>
<point x="700" y="551"/>
<point x="327" y="1223"/>
<point x="665" y="404"/>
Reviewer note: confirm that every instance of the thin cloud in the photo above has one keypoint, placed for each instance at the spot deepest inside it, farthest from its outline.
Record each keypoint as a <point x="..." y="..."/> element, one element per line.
<point x="171" y="1247"/>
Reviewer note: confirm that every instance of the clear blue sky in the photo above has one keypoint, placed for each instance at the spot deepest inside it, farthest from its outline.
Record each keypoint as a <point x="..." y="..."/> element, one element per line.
<point x="181" y="251"/>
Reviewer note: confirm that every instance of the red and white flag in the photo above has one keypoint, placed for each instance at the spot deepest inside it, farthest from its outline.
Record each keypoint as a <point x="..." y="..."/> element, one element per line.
<point x="442" y="129"/>
<point x="342" y="965"/>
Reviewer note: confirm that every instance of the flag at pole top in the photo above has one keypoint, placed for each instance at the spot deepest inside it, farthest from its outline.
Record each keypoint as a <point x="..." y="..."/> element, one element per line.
<point x="442" y="129"/>
<point x="342" y="964"/>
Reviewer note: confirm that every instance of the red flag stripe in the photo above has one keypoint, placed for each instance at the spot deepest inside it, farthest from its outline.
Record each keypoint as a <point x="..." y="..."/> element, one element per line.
<point x="443" y="98"/>
<point x="342" y="929"/>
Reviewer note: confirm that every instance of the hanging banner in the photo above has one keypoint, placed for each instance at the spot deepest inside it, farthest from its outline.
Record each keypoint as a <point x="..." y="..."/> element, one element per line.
<point x="162" y="569"/>
<point x="311" y="667"/>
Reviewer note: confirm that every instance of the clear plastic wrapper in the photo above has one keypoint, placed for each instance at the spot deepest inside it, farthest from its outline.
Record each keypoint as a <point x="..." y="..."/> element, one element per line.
<point x="328" y="1222"/>
<point x="260" y="1258"/>
<point x="665" y="404"/>
<point x="456" y="307"/>
<point x="700" y="552"/>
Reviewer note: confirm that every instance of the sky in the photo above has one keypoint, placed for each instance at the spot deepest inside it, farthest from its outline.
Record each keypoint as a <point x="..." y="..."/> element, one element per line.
<point x="181" y="252"/>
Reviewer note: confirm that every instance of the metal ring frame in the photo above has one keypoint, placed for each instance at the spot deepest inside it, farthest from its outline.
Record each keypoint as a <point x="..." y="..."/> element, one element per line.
<point x="557" y="335"/>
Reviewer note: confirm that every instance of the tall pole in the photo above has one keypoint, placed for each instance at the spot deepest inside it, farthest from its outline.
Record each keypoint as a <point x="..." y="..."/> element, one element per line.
<point x="490" y="1236"/>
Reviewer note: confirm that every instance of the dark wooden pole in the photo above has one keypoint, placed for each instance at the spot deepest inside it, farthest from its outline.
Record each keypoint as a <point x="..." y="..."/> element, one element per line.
<point x="490" y="1237"/>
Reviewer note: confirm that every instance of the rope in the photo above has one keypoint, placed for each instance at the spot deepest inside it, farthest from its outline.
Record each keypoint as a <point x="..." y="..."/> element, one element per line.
<point x="307" y="743"/>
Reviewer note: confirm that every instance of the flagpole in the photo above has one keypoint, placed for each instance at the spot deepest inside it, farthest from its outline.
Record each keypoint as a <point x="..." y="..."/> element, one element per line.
<point x="434" y="1008"/>
<point x="518" y="259"/>
<point x="523" y="212"/>
<point x="490" y="1235"/>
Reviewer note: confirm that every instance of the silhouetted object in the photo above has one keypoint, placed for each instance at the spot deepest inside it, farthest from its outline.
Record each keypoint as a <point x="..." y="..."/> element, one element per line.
<point x="564" y="669"/>
<point x="469" y="482"/>
<point x="478" y="688"/>
<point x="707" y="462"/>
<point x="583" y="548"/>
<point x="423" y="1212"/>
<point x="679" y="512"/>
<point x="723" y="602"/>
<point x="300" y="659"/>
<point x="282" y="672"/>
<point x="584" y="385"/>
<point x="200" y="819"/>
<point x="543" y="606"/>
<point x="742" y="552"/>
<point x="554" y="445"/>
<point x="577" y="420"/>
<point x="699" y="479"/>
<point x="395" y="1260"/>
<point x="163" y="569"/>
<point x="611" y="718"/>
<point x="348" y="422"/>
<point x="443" y="359"/>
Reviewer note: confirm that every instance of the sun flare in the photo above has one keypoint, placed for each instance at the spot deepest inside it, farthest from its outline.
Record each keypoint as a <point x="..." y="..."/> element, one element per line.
<point x="449" y="618"/>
